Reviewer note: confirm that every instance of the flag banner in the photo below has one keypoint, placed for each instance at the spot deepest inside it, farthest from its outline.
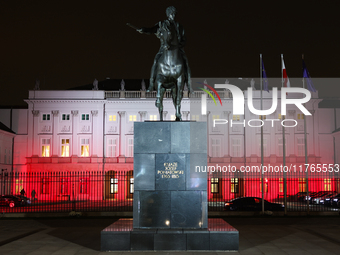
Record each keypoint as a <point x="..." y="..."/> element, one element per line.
<point x="306" y="75"/>
<point x="265" y="79"/>
<point x="286" y="82"/>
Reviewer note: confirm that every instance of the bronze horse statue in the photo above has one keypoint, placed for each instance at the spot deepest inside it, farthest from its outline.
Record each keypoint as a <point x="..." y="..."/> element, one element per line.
<point x="170" y="72"/>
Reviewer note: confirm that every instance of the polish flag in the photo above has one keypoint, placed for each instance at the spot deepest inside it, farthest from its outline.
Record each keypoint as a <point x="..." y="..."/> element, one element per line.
<point x="286" y="82"/>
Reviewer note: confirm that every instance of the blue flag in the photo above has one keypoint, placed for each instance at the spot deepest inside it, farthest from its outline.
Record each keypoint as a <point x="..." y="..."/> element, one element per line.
<point x="265" y="79"/>
<point x="306" y="75"/>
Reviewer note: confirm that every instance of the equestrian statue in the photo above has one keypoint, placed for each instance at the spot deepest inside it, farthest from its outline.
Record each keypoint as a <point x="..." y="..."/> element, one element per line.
<point x="170" y="70"/>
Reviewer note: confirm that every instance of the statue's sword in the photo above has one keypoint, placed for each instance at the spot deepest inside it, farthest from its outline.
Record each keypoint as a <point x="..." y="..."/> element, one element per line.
<point x="132" y="26"/>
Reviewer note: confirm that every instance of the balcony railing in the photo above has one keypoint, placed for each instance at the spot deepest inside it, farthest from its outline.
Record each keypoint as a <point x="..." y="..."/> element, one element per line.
<point x="144" y="94"/>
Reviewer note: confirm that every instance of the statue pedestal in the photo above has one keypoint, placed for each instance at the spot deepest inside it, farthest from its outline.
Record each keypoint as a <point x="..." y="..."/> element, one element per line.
<point x="170" y="208"/>
<point x="121" y="236"/>
<point x="166" y="194"/>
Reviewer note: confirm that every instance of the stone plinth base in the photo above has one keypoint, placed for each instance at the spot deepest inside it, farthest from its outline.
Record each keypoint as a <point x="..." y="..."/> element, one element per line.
<point x="121" y="236"/>
<point x="168" y="192"/>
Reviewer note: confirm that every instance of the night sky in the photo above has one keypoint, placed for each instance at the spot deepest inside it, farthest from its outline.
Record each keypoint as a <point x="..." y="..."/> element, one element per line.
<point x="66" y="44"/>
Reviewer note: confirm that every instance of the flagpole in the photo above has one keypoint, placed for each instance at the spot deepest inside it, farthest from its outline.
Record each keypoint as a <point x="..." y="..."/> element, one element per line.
<point x="284" y="149"/>
<point x="306" y="157"/>
<point x="262" y="174"/>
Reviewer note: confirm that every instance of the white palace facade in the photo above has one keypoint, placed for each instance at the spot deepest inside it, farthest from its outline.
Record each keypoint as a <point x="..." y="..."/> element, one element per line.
<point x="92" y="131"/>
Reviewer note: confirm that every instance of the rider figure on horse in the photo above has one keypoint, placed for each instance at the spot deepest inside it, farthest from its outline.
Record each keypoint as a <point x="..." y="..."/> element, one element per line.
<point x="170" y="23"/>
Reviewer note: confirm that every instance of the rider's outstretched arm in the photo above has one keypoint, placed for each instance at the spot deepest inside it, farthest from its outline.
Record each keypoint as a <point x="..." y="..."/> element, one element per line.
<point x="149" y="30"/>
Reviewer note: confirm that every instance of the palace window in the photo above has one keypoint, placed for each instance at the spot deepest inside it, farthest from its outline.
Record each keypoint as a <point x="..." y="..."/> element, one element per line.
<point x="327" y="184"/>
<point x="65" y="147"/>
<point x="236" y="147"/>
<point x="264" y="147"/>
<point x="19" y="184"/>
<point x="280" y="147"/>
<point x="265" y="185"/>
<point x="132" y="189"/>
<point x="111" y="147"/>
<point x="113" y="185"/>
<point x="234" y="185"/>
<point x="112" y="118"/>
<point x="216" y="117"/>
<point x="279" y="126"/>
<point x="236" y="117"/>
<point x="216" y="147"/>
<point x="214" y="185"/>
<point x="280" y="185"/>
<point x="153" y="117"/>
<point x="85" y="147"/>
<point x="300" y="116"/>
<point x="65" y="117"/>
<point x="132" y="117"/>
<point x="300" y="147"/>
<point x="85" y="117"/>
<point x="195" y="117"/>
<point x="130" y="147"/>
<point x="46" y="117"/>
<point x="301" y="124"/>
<point x="45" y="147"/>
<point x="302" y="185"/>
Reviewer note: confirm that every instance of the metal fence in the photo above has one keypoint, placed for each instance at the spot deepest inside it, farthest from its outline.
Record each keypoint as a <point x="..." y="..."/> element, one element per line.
<point x="113" y="192"/>
<point x="296" y="193"/>
<point x="68" y="191"/>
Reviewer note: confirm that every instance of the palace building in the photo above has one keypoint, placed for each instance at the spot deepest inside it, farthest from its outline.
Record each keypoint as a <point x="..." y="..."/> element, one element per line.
<point x="89" y="129"/>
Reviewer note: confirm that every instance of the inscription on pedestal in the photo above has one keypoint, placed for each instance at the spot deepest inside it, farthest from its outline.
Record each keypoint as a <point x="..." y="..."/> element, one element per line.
<point x="167" y="195"/>
<point x="170" y="169"/>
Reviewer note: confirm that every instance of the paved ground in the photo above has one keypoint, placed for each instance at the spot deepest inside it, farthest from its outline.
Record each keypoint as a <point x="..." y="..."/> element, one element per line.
<point x="269" y="235"/>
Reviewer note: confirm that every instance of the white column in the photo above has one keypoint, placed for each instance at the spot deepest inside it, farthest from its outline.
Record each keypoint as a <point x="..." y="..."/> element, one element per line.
<point x="35" y="137"/>
<point x="94" y="136"/>
<point x="30" y="120"/>
<point x="185" y="114"/>
<point x="122" y="126"/>
<point x="74" y="145"/>
<point x="227" y="135"/>
<point x="142" y="115"/>
<point x="54" y="139"/>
